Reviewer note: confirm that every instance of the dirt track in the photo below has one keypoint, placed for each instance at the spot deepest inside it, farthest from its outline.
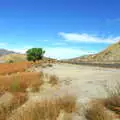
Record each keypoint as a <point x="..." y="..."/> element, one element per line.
<point x="85" y="81"/>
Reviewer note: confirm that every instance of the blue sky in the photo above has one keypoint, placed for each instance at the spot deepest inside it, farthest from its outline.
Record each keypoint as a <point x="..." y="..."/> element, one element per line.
<point x="64" y="28"/>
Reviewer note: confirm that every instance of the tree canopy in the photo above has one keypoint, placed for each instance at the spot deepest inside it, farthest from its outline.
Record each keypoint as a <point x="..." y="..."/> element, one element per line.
<point x="34" y="54"/>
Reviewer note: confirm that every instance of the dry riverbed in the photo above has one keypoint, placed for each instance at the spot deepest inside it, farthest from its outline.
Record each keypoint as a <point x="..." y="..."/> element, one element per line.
<point x="85" y="82"/>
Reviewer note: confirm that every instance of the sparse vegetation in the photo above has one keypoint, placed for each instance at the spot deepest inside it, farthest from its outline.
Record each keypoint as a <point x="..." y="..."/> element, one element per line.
<point x="21" y="81"/>
<point x="16" y="87"/>
<point x="10" y="61"/>
<point x="112" y="102"/>
<point x="14" y="67"/>
<point x="97" y="112"/>
<point x="17" y="100"/>
<point x="114" y="91"/>
<point x="45" y="109"/>
<point x="53" y="80"/>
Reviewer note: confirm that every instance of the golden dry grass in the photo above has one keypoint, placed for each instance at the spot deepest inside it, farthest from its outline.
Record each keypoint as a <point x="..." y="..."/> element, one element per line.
<point x="97" y="112"/>
<point x="17" y="85"/>
<point x="113" y="104"/>
<point x="45" y="109"/>
<point x="19" y="82"/>
<point x="53" y="80"/>
<point x="9" y="68"/>
<point x="17" y="100"/>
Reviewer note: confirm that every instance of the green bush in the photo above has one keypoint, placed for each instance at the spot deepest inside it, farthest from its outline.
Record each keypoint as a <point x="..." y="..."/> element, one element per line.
<point x="35" y="54"/>
<point x="11" y="61"/>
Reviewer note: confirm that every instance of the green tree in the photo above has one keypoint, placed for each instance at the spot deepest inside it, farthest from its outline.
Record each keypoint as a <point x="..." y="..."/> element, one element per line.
<point x="34" y="54"/>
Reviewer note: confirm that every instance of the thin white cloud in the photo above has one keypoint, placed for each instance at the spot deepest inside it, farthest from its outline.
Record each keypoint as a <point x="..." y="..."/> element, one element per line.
<point x="64" y="53"/>
<point x="42" y="40"/>
<point x="86" y="38"/>
<point x="59" y="43"/>
<point x="116" y="20"/>
<point x="113" y="20"/>
<point x="21" y="50"/>
<point x="3" y="44"/>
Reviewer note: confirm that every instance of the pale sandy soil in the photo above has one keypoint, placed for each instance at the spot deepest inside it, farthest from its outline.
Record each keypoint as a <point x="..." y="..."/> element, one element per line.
<point x="85" y="82"/>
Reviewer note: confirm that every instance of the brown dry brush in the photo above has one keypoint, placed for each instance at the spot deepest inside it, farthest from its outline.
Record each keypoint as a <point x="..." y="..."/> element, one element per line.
<point x="45" y="109"/>
<point x="17" y="101"/>
<point x="97" y="112"/>
<point x="9" y="68"/>
<point x="21" y="81"/>
<point x="53" y="80"/>
<point x="112" y="102"/>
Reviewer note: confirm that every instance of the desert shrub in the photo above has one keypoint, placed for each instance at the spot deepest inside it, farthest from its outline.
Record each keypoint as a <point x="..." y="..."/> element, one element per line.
<point x="50" y="65"/>
<point x="113" y="104"/>
<point x="35" y="88"/>
<point x="44" y="109"/>
<point x="114" y="91"/>
<point x="68" y="103"/>
<point x="7" y="109"/>
<point x="97" y="112"/>
<point x="10" y="61"/>
<point x="53" y="80"/>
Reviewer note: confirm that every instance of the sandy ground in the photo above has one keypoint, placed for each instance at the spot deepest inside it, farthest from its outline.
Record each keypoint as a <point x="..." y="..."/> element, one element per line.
<point x="85" y="82"/>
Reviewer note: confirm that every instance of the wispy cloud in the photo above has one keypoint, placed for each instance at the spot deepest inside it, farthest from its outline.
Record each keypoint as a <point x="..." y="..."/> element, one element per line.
<point x="113" y="20"/>
<point x="21" y="50"/>
<point x="86" y="38"/>
<point x="116" y="20"/>
<point x="42" y="40"/>
<point x="59" y="43"/>
<point x="3" y="44"/>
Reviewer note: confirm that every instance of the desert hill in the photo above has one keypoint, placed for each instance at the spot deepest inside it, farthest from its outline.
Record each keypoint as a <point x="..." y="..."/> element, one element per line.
<point x="13" y="57"/>
<point x="5" y="52"/>
<point x="110" y="54"/>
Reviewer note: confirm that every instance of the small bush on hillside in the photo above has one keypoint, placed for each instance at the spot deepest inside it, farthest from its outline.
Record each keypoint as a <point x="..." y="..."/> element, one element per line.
<point x="11" y="61"/>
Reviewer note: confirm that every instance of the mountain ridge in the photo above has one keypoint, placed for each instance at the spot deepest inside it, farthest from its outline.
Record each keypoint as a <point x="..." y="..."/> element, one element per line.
<point x="110" y="54"/>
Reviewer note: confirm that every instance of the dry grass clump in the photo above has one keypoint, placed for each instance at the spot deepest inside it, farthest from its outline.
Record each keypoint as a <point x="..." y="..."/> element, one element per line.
<point x="17" y="100"/>
<point x="9" y="68"/>
<point x="35" y="88"/>
<point x="114" y="91"/>
<point x="45" y="109"/>
<point x="68" y="103"/>
<point x="19" y="82"/>
<point x="97" y="112"/>
<point x="53" y="80"/>
<point x="113" y="104"/>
